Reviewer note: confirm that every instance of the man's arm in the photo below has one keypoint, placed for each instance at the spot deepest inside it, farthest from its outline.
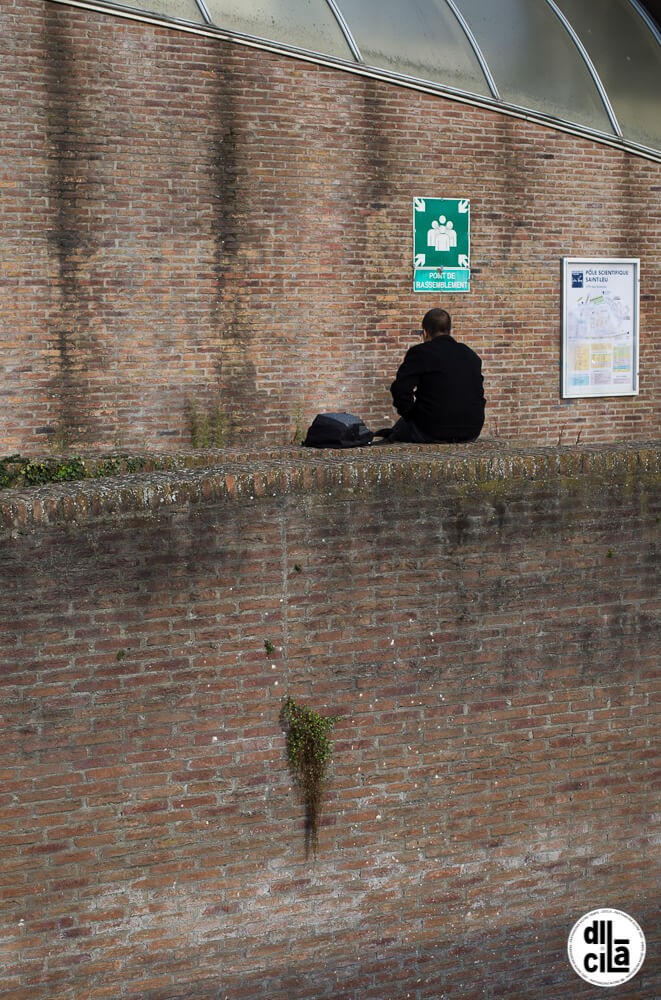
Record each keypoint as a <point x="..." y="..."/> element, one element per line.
<point x="406" y="380"/>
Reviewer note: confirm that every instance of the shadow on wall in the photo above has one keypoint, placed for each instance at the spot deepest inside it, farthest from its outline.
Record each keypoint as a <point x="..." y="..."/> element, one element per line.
<point x="526" y="962"/>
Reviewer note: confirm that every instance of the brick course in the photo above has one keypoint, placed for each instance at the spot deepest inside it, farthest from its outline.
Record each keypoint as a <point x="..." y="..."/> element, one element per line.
<point x="193" y="223"/>
<point x="485" y="624"/>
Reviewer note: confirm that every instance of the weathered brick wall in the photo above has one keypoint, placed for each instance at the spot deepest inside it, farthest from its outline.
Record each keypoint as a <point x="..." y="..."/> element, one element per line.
<point x="485" y="624"/>
<point x="187" y="221"/>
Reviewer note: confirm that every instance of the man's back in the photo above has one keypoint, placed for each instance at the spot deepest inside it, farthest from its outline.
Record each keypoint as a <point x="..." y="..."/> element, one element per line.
<point x="439" y="387"/>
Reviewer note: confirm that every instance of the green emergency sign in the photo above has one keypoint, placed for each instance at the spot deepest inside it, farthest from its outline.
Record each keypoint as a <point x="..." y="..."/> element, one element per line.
<point x="441" y="245"/>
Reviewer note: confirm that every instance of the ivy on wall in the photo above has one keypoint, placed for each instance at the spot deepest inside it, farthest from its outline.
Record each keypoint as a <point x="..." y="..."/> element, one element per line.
<point x="309" y="752"/>
<point x="17" y="471"/>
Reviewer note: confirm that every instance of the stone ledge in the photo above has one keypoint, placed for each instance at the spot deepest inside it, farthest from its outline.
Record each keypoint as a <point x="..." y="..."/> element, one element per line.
<point x="199" y="478"/>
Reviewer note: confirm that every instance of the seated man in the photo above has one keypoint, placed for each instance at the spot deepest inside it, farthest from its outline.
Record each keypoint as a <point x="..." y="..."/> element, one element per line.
<point x="438" y="389"/>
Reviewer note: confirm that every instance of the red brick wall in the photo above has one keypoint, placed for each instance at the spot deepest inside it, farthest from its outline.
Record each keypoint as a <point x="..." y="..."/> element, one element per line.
<point x="189" y="221"/>
<point x="484" y="625"/>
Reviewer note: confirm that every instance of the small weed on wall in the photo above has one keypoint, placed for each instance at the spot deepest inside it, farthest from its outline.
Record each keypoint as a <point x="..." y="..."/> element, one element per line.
<point x="208" y="427"/>
<point x="309" y="752"/>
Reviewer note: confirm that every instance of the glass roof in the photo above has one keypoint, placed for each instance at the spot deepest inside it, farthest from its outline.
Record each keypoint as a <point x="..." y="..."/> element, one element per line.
<point x="305" y="24"/>
<point x="421" y="38"/>
<point x="534" y="60"/>
<point x="627" y="58"/>
<point x="595" y="66"/>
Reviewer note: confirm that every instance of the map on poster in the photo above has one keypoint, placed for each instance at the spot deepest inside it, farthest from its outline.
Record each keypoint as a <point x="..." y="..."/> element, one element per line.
<point x="600" y="327"/>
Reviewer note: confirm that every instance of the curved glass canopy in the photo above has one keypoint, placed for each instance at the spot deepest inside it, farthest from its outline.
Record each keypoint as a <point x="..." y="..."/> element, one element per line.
<point x="305" y="24"/>
<point x="627" y="57"/>
<point x="535" y="60"/>
<point x="590" y="66"/>
<point x="423" y="39"/>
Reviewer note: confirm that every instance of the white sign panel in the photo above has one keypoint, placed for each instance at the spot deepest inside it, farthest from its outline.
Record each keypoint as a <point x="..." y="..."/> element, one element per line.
<point x="600" y="327"/>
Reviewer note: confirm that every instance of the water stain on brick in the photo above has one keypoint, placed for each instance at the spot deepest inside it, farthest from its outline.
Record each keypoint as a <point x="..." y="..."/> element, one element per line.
<point x="517" y="200"/>
<point x="70" y="342"/>
<point x="376" y="196"/>
<point x="233" y="317"/>
<point x="376" y="138"/>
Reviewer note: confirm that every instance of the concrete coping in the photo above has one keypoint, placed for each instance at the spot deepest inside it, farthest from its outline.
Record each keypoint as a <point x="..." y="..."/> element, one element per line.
<point x="244" y="475"/>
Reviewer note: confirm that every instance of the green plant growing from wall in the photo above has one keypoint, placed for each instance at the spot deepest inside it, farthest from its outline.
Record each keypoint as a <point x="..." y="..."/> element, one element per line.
<point x="208" y="427"/>
<point x="309" y="752"/>
<point x="299" y="428"/>
<point x="17" y="471"/>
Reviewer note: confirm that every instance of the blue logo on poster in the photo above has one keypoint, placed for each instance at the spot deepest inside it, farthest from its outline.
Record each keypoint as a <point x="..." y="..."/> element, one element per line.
<point x="577" y="279"/>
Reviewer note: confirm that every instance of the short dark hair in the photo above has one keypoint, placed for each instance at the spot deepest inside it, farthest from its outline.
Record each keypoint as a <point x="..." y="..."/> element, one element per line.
<point x="436" y="322"/>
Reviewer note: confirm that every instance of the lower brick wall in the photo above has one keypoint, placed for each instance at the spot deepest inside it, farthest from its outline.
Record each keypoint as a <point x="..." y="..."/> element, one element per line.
<point x="485" y="626"/>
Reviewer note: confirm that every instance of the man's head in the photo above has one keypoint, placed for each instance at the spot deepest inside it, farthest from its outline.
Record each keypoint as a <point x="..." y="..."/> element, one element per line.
<point x="436" y="323"/>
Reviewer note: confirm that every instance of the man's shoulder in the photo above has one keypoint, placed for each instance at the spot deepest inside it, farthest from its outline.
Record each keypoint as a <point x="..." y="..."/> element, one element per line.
<point x="457" y="346"/>
<point x="416" y="352"/>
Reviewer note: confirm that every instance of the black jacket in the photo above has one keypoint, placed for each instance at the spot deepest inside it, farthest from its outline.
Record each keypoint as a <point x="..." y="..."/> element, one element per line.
<point x="439" y="387"/>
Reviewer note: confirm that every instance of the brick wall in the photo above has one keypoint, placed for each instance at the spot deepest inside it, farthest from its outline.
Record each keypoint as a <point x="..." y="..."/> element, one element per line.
<point x="484" y="623"/>
<point x="198" y="231"/>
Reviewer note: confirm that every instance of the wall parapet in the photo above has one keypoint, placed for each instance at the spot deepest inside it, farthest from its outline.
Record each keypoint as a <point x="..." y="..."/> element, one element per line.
<point x="235" y="475"/>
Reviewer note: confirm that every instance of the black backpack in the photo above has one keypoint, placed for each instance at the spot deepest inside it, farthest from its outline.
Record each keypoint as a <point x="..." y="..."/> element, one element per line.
<point x="337" y="430"/>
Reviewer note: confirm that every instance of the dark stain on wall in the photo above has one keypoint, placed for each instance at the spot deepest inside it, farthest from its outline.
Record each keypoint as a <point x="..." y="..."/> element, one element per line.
<point x="381" y="203"/>
<point x="517" y="189"/>
<point x="70" y="340"/>
<point x="377" y="145"/>
<point x="235" y="371"/>
<point x="224" y="158"/>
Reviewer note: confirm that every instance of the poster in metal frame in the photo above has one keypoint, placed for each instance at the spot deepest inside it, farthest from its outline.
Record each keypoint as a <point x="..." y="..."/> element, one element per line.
<point x="600" y="314"/>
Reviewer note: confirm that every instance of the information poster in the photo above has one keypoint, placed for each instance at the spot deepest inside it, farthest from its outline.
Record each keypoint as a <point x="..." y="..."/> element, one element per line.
<point x="600" y="327"/>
